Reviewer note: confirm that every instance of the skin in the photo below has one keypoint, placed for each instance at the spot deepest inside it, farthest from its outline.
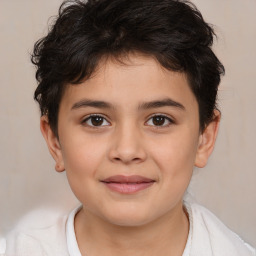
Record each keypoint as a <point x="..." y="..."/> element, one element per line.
<point x="130" y="141"/>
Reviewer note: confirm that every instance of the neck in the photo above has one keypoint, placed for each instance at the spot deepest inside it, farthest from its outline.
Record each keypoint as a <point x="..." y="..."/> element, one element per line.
<point x="165" y="236"/>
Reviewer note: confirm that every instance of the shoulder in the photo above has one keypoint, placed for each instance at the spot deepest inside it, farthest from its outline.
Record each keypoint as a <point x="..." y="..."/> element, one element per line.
<point x="41" y="232"/>
<point x="210" y="234"/>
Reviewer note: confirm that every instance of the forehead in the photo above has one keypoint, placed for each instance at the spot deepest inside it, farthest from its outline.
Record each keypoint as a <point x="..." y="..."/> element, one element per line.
<point x="132" y="80"/>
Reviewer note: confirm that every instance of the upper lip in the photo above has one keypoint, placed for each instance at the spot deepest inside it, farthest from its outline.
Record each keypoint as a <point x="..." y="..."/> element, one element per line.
<point x="127" y="179"/>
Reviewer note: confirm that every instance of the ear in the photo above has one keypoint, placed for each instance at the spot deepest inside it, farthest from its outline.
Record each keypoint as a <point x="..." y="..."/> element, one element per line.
<point x="52" y="143"/>
<point x="207" y="141"/>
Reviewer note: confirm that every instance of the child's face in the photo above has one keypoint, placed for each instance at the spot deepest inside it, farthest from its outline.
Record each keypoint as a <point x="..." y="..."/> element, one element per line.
<point x="146" y="124"/>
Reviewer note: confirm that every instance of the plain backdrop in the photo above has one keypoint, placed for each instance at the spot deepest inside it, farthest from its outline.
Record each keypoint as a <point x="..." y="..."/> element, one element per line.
<point x="27" y="177"/>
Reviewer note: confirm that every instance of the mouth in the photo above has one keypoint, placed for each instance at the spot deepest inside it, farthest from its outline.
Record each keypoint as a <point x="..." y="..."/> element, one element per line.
<point x="127" y="184"/>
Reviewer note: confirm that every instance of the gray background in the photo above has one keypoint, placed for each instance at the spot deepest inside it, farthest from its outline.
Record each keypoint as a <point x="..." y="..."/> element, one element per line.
<point x="27" y="177"/>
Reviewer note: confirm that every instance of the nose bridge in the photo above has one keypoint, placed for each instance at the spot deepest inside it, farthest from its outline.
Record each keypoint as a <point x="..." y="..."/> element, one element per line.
<point x="127" y="143"/>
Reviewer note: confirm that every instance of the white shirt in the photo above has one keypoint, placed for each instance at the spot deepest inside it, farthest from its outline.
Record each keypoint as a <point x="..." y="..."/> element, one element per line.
<point x="208" y="236"/>
<point x="70" y="234"/>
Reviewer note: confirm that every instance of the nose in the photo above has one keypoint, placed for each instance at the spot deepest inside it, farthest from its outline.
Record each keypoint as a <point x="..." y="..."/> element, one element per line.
<point x="127" y="145"/>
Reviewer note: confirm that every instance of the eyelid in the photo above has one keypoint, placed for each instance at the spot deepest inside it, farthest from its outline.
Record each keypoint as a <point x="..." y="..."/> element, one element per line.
<point x="86" y="118"/>
<point x="167" y="117"/>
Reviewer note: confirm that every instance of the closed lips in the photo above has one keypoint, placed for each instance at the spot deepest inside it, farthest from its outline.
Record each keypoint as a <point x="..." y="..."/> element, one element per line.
<point x="135" y="179"/>
<point x="128" y="184"/>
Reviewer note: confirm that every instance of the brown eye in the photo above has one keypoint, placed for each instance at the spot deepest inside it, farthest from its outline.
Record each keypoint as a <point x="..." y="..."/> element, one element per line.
<point x="96" y="121"/>
<point x="160" y="121"/>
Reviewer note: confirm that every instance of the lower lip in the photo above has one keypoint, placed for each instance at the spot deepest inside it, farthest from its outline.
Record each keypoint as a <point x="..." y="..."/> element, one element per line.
<point x="128" y="188"/>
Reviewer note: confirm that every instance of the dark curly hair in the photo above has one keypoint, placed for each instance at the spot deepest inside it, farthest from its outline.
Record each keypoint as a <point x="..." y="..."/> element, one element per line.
<point x="172" y="31"/>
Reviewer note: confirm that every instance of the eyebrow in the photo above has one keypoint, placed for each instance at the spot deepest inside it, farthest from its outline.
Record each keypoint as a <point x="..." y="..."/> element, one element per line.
<point x="167" y="102"/>
<point x="91" y="103"/>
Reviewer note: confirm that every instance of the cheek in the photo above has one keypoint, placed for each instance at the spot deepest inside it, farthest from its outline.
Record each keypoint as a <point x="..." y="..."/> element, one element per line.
<point x="175" y="154"/>
<point x="82" y="161"/>
<point x="175" y="160"/>
<point x="82" y="156"/>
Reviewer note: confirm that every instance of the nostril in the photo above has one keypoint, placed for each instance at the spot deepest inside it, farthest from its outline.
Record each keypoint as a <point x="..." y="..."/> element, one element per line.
<point x="128" y="159"/>
<point x="127" y="154"/>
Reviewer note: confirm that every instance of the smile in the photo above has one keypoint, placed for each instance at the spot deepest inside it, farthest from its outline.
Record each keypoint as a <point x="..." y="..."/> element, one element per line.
<point x="127" y="184"/>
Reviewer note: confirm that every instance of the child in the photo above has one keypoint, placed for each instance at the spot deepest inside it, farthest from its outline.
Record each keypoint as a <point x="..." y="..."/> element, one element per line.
<point x="127" y="92"/>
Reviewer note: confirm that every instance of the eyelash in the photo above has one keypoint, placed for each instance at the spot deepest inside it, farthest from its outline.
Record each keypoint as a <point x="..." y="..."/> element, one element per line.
<point x="90" y="118"/>
<point x="170" y="121"/>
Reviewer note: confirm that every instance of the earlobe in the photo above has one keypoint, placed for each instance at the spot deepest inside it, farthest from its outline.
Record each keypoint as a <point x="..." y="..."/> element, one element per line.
<point x="207" y="141"/>
<point x="52" y="143"/>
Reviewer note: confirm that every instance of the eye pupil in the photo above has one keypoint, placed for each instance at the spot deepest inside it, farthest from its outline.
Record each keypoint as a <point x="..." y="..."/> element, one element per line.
<point x="97" y="120"/>
<point x="158" y="120"/>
